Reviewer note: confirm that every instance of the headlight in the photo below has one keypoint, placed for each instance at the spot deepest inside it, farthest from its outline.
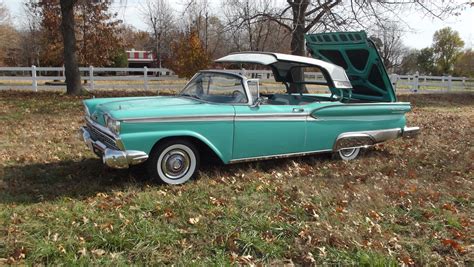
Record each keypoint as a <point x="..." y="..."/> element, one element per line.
<point x="111" y="124"/>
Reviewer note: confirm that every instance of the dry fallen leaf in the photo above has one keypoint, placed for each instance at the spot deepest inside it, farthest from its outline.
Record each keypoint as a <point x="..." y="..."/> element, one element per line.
<point x="194" y="220"/>
<point x="98" y="252"/>
<point x="83" y="252"/>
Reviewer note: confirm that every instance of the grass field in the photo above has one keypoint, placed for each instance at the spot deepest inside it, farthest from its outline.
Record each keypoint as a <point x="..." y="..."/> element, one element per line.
<point x="405" y="202"/>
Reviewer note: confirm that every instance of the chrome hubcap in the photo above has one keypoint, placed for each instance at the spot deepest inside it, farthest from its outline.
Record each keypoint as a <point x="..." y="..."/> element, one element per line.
<point x="175" y="163"/>
<point x="347" y="152"/>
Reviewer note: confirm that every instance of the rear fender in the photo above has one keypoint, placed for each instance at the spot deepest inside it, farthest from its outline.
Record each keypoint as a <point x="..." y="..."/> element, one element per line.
<point x="361" y="109"/>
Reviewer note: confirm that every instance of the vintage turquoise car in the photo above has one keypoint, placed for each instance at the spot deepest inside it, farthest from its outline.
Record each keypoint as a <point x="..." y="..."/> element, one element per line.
<point x="223" y="113"/>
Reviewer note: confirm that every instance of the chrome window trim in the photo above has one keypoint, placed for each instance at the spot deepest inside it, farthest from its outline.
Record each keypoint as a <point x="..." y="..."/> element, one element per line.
<point x="243" y="81"/>
<point x="287" y="155"/>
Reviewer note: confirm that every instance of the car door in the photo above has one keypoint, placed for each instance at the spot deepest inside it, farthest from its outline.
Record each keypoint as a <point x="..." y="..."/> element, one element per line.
<point x="268" y="130"/>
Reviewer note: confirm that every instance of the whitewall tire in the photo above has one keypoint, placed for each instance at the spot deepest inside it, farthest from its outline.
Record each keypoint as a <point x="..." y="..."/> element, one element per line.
<point x="174" y="162"/>
<point x="348" y="153"/>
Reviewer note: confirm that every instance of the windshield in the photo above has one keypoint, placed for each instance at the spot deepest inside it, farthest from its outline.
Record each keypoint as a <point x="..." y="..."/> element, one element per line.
<point x="216" y="87"/>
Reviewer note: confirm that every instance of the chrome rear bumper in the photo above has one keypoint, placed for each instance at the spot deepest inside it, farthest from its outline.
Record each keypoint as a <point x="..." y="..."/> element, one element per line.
<point x="113" y="158"/>
<point x="370" y="138"/>
<point x="410" y="132"/>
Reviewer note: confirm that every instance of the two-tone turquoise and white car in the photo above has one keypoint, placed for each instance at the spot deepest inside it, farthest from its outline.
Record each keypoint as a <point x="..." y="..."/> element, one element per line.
<point x="223" y="113"/>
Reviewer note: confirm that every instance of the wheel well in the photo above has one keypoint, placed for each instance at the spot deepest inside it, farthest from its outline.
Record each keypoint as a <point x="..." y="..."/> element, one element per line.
<point x="204" y="150"/>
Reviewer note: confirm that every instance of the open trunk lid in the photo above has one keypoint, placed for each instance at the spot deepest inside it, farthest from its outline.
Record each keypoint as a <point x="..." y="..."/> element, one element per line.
<point x="359" y="57"/>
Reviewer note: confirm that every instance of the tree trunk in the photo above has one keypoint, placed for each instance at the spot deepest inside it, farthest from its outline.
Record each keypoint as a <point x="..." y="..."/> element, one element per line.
<point x="73" y="76"/>
<point x="297" y="46"/>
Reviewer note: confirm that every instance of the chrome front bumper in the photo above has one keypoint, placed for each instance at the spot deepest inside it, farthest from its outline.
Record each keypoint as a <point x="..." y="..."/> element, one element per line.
<point x="113" y="158"/>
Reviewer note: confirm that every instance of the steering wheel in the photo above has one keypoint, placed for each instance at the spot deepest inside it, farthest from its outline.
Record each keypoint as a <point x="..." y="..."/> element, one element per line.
<point x="238" y="96"/>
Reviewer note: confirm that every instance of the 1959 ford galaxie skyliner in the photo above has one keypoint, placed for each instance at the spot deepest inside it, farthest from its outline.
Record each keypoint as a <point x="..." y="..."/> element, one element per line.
<point x="224" y="113"/>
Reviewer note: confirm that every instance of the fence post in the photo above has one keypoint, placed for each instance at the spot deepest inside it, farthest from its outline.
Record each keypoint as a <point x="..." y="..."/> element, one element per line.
<point x="394" y="80"/>
<point x="33" y="78"/>
<point x="416" y="82"/>
<point x="91" y="78"/>
<point x="450" y="83"/>
<point x="145" y="77"/>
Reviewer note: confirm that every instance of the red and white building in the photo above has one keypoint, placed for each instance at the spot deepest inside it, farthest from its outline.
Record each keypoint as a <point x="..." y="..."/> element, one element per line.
<point x="140" y="59"/>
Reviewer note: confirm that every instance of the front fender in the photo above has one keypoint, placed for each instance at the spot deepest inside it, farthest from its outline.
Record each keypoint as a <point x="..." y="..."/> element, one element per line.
<point x="144" y="141"/>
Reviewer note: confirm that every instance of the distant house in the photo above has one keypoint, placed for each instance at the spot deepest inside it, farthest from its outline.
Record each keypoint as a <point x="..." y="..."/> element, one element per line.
<point x="140" y="59"/>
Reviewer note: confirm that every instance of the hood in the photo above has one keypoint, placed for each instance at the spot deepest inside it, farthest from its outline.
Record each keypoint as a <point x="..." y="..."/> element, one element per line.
<point x="136" y="107"/>
<point x="147" y="103"/>
<point x="359" y="57"/>
<point x="151" y="107"/>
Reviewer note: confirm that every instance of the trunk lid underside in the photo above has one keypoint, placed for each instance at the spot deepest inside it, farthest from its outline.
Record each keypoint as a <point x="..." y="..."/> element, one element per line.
<point x="359" y="57"/>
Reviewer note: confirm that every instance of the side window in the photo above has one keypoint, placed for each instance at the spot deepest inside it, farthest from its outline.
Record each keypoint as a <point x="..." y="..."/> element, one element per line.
<point x="224" y="85"/>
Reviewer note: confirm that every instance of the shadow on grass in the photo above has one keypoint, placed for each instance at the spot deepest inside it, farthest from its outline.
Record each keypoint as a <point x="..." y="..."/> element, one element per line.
<point x="42" y="182"/>
<point x="33" y="183"/>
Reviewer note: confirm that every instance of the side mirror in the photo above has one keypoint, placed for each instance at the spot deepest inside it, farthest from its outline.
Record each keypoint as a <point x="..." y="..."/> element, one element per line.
<point x="257" y="102"/>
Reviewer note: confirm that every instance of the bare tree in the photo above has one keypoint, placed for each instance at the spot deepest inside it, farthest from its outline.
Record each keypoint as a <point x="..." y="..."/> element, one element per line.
<point x="31" y="35"/>
<point x="244" y="24"/>
<point x="4" y="14"/>
<point x="299" y="17"/>
<point x="159" y="17"/>
<point x="302" y="16"/>
<point x="388" y="39"/>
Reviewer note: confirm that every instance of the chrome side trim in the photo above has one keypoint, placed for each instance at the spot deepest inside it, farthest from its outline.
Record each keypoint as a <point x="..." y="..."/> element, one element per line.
<point x="365" y="138"/>
<point x="279" y="156"/>
<point x="364" y="104"/>
<point x="272" y="117"/>
<point x="192" y="118"/>
<point x="223" y="117"/>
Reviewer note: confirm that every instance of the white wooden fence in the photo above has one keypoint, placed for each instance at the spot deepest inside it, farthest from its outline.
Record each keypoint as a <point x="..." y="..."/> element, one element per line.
<point x="416" y="82"/>
<point x="29" y="77"/>
<point x="46" y="78"/>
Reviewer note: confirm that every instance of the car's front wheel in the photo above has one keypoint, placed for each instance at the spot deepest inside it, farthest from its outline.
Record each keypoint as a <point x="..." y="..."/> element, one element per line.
<point x="173" y="162"/>
<point x="349" y="153"/>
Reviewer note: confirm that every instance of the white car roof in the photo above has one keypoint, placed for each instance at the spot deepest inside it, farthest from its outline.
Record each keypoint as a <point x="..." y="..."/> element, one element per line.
<point x="337" y="73"/>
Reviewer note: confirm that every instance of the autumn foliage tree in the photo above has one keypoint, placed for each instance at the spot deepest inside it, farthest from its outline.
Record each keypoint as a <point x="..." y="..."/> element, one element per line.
<point x="96" y="31"/>
<point x="9" y="39"/>
<point x="447" y="46"/>
<point x="189" y="55"/>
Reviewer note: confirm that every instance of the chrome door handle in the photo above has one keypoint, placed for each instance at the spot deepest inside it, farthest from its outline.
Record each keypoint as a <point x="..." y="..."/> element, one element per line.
<point x="298" y="110"/>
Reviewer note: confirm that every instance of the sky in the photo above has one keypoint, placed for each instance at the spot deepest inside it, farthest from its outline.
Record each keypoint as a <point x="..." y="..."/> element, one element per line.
<point x="419" y="28"/>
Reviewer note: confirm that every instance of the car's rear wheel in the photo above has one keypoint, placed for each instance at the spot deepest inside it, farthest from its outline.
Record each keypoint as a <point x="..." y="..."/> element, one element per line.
<point x="173" y="162"/>
<point x="348" y="153"/>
